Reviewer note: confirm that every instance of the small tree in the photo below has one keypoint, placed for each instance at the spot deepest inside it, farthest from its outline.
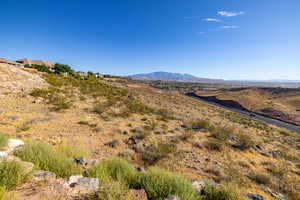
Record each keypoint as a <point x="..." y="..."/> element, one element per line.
<point x="61" y="68"/>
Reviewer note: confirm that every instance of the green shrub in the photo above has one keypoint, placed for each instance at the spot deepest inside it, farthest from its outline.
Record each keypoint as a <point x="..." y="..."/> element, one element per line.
<point x="24" y="127"/>
<point x="144" y="133"/>
<point x="61" y="68"/>
<point x="200" y="125"/>
<point x="3" y="140"/>
<point x="164" y="113"/>
<point x="41" y="68"/>
<point x="45" y="157"/>
<point x="11" y="174"/>
<point x="244" y="142"/>
<point x="112" y="190"/>
<point x="71" y="150"/>
<point x="151" y="125"/>
<point x="159" y="183"/>
<point x="185" y="136"/>
<point x="221" y="133"/>
<point x="116" y="169"/>
<point x="100" y="108"/>
<point x="214" y="145"/>
<point x="60" y="103"/>
<point x="260" y="178"/>
<point x="157" y="151"/>
<point x="218" y="193"/>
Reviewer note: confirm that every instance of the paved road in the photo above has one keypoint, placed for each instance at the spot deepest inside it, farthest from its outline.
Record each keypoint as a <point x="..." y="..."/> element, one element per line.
<point x="265" y="119"/>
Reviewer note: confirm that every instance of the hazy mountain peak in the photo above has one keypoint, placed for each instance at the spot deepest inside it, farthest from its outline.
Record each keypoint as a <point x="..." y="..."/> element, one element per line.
<point x="169" y="76"/>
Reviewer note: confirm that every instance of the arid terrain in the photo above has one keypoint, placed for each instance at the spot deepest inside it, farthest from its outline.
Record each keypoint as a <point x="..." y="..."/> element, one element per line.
<point x="104" y="117"/>
<point x="278" y="103"/>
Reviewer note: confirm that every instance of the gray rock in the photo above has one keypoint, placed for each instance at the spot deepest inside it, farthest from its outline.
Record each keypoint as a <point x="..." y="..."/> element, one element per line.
<point x="43" y="174"/>
<point x="13" y="144"/>
<point x="132" y="140"/>
<point x="199" y="186"/>
<point x="260" y="149"/>
<point x="80" y="161"/>
<point x="172" y="197"/>
<point x="72" y="180"/>
<point x="276" y="195"/>
<point x="254" y="196"/>
<point x="89" y="183"/>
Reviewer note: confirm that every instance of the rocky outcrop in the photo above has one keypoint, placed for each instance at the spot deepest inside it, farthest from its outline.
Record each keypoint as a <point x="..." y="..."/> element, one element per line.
<point x="14" y="79"/>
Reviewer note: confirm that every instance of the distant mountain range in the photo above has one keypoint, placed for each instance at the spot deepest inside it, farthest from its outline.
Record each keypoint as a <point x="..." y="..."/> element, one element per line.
<point x="168" y="76"/>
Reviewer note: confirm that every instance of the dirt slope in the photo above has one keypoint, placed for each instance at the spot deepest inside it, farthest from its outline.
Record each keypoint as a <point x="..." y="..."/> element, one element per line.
<point x="14" y="79"/>
<point x="279" y="103"/>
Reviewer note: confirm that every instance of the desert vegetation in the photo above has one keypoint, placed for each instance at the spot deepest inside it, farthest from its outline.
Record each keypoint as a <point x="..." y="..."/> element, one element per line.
<point x="79" y="125"/>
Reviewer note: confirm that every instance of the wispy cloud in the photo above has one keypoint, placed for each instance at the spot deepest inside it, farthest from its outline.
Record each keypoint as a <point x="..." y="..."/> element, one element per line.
<point x="229" y="27"/>
<point x="230" y="14"/>
<point x="212" y="20"/>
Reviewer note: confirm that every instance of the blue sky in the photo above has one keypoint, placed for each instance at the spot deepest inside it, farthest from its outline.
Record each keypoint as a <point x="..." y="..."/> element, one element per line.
<point x="229" y="39"/>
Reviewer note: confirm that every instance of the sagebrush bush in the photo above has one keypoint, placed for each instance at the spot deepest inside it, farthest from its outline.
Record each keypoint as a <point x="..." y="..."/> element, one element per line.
<point x="221" y="133"/>
<point x="112" y="190"/>
<point x="213" y="145"/>
<point x="260" y="178"/>
<point x="116" y="169"/>
<point x="72" y="151"/>
<point x="159" y="183"/>
<point x="3" y="140"/>
<point x="244" y="142"/>
<point x="200" y="125"/>
<point x="157" y="151"/>
<point x="60" y="103"/>
<point x="45" y="157"/>
<point x="12" y="174"/>
<point x="185" y="136"/>
<point x="218" y="193"/>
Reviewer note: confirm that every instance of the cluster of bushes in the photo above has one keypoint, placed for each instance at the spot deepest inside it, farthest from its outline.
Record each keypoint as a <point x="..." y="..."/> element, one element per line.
<point x="117" y="176"/>
<point x="62" y="90"/>
<point x="3" y="140"/>
<point x="46" y="157"/>
<point x="57" y="69"/>
<point x="157" y="151"/>
<point x="221" y="135"/>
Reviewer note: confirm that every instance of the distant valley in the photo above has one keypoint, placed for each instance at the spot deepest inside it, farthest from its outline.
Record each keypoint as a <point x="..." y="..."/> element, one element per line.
<point x="184" y="77"/>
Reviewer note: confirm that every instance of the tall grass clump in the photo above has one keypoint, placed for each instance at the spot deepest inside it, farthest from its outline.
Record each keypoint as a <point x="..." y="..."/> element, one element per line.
<point x="46" y="157"/>
<point x="112" y="190"/>
<point x="221" y="133"/>
<point x="12" y="174"/>
<point x="72" y="151"/>
<point x="3" y="140"/>
<point x="219" y="193"/>
<point x="200" y="125"/>
<point x="116" y="169"/>
<point x="159" y="183"/>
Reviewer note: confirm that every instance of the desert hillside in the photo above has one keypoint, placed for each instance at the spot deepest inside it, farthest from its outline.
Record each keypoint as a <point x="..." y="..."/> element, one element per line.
<point x="279" y="103"/>
<point x="68" y="136"/>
